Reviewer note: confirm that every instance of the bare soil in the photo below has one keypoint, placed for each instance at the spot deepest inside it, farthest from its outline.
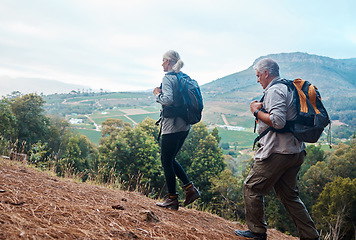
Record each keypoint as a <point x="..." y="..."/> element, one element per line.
<point x="39" y="205"/>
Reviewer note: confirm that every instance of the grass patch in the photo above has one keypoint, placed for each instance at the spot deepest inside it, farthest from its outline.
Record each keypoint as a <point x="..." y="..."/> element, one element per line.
<point x="244" y="139"/>
<point x="152" y="108"/>
<point x="94" y="136"/>
<point x="100" y="120"/>
<point x="140" y="117"/>
<point x="86" y="126"/>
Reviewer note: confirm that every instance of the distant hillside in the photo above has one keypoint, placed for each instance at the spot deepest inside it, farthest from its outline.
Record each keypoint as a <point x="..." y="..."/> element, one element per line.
<point x="35" y="85"/>
<point x="36" y="205"/>
<point x="329" y="75"/>
<point x="335" y="79"/>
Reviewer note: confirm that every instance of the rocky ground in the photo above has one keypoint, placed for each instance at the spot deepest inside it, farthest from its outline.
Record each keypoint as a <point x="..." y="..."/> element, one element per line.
<point x="39" y="205"/>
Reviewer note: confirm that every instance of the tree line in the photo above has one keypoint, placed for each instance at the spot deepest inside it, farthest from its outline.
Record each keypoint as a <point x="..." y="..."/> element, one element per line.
<point x="128" y="158"/>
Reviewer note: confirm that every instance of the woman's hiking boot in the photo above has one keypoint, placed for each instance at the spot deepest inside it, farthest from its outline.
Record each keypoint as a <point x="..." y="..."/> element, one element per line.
<point x="191" y="194"/>
<point x="170" y="201"/>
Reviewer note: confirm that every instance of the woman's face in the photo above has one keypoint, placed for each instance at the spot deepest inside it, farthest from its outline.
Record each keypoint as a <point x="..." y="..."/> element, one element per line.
<point x="165" y="65"/>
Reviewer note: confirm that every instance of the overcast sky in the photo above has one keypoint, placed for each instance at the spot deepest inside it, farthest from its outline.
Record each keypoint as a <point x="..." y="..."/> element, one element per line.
<point x="118" y="45"/>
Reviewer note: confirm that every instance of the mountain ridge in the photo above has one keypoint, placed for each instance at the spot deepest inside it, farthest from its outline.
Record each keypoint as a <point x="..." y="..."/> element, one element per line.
<point x="36" y="85"/>
<point x="334" y="78"/>
<point x="324" y="72"/>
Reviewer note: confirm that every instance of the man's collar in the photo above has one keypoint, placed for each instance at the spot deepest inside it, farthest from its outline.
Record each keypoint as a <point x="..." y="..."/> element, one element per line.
<point x="274" y="80"/>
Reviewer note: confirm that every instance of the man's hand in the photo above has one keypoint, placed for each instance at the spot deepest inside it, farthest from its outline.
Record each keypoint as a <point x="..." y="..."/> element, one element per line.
<point x="255" y="105"/>
<point x="263" y="116"/>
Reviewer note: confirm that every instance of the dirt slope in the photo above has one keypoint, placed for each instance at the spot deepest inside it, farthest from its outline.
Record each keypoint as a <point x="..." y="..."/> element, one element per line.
<point x="36" y="205"/>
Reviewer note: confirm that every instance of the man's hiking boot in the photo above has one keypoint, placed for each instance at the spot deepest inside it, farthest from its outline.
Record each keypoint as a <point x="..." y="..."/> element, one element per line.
<point x="191" y="194"/>
<point x="249" y="234"/>
<point x="170" y="201"/>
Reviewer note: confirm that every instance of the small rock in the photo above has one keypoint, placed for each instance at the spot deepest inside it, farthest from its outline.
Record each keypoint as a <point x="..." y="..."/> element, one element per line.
<point x="149" y="216"/>
<point x="129" y="235"/>
<point x="2" y="191"/>
<point x="124" y="199"/>
<point x="118" y="206"/>
<point x="19" y="203"/>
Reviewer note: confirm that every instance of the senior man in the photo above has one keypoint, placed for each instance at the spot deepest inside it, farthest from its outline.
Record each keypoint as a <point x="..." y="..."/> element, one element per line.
<point x="277" y="161"/>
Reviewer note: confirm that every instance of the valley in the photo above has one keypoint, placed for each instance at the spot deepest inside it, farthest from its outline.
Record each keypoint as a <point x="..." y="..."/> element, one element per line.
<point x="226" y="101"/>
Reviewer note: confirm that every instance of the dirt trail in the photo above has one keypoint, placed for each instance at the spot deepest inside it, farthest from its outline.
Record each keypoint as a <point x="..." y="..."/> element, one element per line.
<point x="38" y="205"/>
<point x="135" y="123"/>
<point x="97" y="128"/>
<point x="225" y="120"/>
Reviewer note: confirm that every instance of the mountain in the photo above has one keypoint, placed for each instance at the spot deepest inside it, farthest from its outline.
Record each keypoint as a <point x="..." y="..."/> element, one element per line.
<point x="331" y="76"/>
<point x="36" y="85"/>
<point x="39" y="205"/>
<point x="334" y="78"/>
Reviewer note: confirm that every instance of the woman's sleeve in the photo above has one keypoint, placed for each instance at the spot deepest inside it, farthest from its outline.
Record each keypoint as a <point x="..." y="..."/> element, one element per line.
<point x="166" y="96"/>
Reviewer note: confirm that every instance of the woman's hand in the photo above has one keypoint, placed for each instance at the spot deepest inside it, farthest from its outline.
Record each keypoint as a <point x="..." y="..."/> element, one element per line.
<point x="156" y="91"/>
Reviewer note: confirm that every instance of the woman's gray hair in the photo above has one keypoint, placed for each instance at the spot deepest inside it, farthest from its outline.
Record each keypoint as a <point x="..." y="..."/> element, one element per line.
<point x="267" y="64"/>
<point x="174" y="58"/>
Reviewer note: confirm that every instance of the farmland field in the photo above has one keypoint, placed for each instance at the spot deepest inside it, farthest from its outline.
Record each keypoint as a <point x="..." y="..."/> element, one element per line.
<point x="89" y="112"/>
<point x="93" y="109"/>
<point x="93" y="135"/>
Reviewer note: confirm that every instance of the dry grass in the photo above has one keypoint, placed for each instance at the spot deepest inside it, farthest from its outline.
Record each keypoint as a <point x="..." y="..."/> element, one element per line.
<point x="38" y="205"/>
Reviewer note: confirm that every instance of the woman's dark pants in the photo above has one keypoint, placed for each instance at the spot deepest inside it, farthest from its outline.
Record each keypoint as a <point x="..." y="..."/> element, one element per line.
<point x="170" y="146"/>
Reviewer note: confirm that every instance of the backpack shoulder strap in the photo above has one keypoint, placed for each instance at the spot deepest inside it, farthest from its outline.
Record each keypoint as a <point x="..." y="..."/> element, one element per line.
<point x="289" y="124"/>
<point x="288" y="83"/>
<point x="260" y="136"/>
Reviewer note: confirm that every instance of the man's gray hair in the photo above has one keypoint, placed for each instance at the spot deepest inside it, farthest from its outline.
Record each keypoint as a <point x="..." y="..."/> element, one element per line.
<point x="267" y="64"/>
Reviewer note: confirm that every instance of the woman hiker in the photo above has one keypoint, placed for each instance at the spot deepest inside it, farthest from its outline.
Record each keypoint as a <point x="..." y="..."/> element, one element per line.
<point x="174" y="131"/>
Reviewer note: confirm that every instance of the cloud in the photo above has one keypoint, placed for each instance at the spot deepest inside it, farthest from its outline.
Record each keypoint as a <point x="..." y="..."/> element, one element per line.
<point x="118" y="45"/>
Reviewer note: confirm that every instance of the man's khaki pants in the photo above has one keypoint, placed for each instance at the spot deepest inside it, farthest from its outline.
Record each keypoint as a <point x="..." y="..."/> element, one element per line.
<point x="280" y="172"/>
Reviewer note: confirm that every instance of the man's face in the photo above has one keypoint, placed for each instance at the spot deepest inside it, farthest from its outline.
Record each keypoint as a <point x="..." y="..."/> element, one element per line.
<point x="262" y="78"/>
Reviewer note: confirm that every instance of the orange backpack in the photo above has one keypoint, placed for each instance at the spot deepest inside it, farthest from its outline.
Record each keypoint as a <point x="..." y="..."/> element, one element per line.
<point x="312" y="116"/>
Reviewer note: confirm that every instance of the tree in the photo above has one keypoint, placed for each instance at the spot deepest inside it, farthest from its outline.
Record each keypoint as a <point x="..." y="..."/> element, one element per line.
<point x="7" y="126"/>
<point x="316" y="178"/>
<point x="148" y="125"/>
<point x="32" y="125"/>
<point x="7" y="120"/>
<point x="186" y="154"/>
<point x="314" y="155"/>
<point x="144" y="160"/>
<point x="58" y="137"/>
<point x="111" y="127"/>
<point x="342" y="161"/>
<point x="132" y="154"/>
<point x="225" y="145"/>
<point x="79" y="157"/>
<point x="228" y="199"/>
<point x="207" y="163"/>
<point x="38" y="155"/>
<point x="335" y="210"/>
<point x="113" y="151"/>
<point x="215" y="133"/>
